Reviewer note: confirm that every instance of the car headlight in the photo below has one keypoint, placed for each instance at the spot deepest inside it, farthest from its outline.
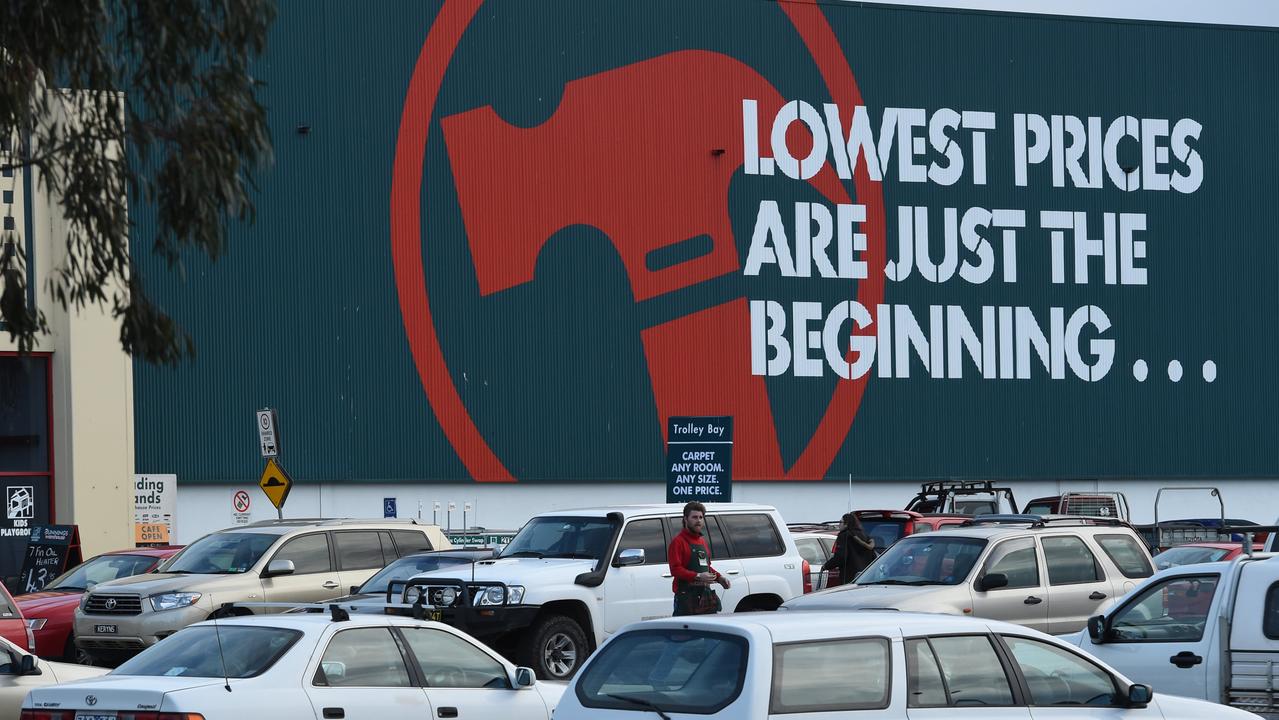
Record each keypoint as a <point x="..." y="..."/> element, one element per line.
<point x="411" y="595"/>
<point x="492" y="595"/>
<point x="35" y="623"/>
<point x="515" y="594"/>
<point x="172" y="601"/>
<point x="445" y="597"/>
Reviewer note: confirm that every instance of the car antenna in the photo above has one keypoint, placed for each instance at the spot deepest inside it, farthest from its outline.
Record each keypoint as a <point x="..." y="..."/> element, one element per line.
<point x="218" y="634"/>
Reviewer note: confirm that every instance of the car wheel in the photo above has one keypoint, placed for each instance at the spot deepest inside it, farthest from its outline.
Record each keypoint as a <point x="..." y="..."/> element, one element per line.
<point x="73" y="654"/>
<point x="554" y="647"/>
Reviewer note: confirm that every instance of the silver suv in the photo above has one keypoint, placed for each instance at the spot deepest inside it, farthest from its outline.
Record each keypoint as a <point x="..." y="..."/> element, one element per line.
<point x="1049" y="574"/>
<point x="304" y="560"/>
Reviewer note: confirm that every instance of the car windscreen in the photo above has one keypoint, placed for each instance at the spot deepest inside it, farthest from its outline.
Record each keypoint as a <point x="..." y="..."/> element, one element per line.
<point x="671" y="670"/>
<point x="407" y="567"/>
<point x="221" y="553"/>
<point x="884" y="531"/>
<point x="223" y="650"/>
<point x="1186" y="555"/>
<point x="924" y="560"/>
<point x="567" y="537"/>
<point x="101" y="569"/>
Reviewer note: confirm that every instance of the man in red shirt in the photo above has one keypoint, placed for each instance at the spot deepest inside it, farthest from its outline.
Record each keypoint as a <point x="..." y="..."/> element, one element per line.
<point x="690" y="559"/>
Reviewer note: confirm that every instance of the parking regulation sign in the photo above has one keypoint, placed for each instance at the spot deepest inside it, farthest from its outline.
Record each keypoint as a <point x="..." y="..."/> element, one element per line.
<point x="699" y="459"/>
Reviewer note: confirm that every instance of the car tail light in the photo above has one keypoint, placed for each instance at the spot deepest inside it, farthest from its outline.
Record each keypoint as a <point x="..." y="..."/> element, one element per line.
<point x="808" y="579"/>
<point x="47" y="715"/>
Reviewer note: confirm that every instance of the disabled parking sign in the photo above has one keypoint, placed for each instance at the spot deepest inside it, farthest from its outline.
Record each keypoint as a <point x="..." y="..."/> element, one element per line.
<point x="699" y="459"/>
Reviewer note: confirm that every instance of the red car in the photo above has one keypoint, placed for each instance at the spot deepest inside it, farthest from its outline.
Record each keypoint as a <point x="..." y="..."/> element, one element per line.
<point x="12" y="626"/>
<point x="50" y="614"/>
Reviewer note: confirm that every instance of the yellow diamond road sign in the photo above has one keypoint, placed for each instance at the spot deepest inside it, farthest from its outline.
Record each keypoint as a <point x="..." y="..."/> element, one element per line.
<point x="275" y="483"/>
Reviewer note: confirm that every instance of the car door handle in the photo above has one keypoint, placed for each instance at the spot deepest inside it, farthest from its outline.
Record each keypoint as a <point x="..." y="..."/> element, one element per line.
<point x="666" y="575"/>
<point x="1097" y="595"/>
<point x="734" y="572"/>
<point x="447" y="712"/>
<point x="334" y="713"/>
<point x="1032" y="600"/>
<point x="1185" y="659"/>
<point x="330" y="585"/>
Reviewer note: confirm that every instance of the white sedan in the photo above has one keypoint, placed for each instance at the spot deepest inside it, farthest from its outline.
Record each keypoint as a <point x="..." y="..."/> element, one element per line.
<point x="306" y="667"/>
<point x="868" y="664"/>
<point x="20" y="673"/>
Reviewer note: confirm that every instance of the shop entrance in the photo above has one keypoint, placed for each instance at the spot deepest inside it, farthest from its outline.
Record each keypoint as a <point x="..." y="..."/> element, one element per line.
<point x="26" y="455"/>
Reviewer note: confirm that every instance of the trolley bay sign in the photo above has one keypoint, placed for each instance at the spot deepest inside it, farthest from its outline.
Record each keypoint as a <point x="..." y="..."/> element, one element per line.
<point x="882" y="249"/>
<point x="699" y="459"/>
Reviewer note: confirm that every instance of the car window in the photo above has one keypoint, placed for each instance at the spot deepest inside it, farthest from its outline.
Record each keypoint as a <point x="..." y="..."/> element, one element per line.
<point x="223" y="553"/>
<point x="1188" y="555"/>
<point x="811" y="550"/>
<point x="1016" y="560"/>
<point x="449" y="661"/>
<point x="562" y="536"/>
<point x="924" y="560"/>
<point x="830" y="676"/>
<point x="886" y="531"/>
<point x="101" y="569"/>
<point x="971" y="671"/>
<point x="682" y="671"/>
<point x="363" y="657"/>
<point x="1175" y="609"/>
<point x="1270" y="623"/>
<point x="645" y="535"/>
<point x="358" y="550"/>
<point x="407" y="567"/>
<point x="1056" y="676"/>
<point x="752" y="535"/>
<point x="224" y="650"/>
<point x="309" y="553"/>
<point x="713" y="533"/>
<point x="408" y="542"/>
<point x="924" y="686"/>
<point x="1069" y="561"/>
<point x="1127" y="554"/>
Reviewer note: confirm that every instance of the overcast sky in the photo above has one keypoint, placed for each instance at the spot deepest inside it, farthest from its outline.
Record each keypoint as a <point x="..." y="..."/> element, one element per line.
<point x="1229" y="12"/>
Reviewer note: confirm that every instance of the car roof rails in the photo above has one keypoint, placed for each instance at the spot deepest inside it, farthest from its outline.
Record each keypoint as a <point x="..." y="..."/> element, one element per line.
<point x="1002" y="519"/>
<point x="933" y="496"/>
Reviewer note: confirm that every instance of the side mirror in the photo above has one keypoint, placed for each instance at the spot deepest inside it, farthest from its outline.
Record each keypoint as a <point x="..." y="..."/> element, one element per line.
<point x="278" y="567"/>
<point x="1139" y="695"/>
<point x="27" y="666"/>
<point x="333" y="669"/>
<point x="992" y="582"/>
<point x="355" y="590"/>
<point x="1097" y="631"/>
<point x="524" y="676"/>
<point x="630" y="556"/>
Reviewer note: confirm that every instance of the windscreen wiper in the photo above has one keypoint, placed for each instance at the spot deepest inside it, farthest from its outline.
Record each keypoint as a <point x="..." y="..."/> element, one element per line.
<point x="526" y="553"/>
<point x="902" y="582"/>
<point x="640" y="702"/>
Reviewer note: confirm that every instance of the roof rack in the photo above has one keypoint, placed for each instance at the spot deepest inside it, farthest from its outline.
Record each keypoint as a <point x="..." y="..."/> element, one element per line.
<point x="1040" y="521"/>
<point x="285" y="522"/>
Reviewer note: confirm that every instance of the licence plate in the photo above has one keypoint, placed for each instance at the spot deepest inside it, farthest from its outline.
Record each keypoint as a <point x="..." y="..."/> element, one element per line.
<point x="436" y="615"/>
<point x="110" y="629"/>
<point x="95" y="716"/>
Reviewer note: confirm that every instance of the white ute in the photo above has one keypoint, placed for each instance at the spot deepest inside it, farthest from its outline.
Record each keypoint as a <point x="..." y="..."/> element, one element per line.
<point x="1205" y="631"/>
<point x="571" y="578"/>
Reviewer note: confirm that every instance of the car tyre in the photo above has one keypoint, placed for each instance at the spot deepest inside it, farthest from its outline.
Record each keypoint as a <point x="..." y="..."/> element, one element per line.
<point x="554" y="647"/>
<point x="73" y="654"/>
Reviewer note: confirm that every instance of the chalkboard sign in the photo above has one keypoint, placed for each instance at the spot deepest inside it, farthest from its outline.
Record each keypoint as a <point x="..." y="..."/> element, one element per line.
<point x="50" y="551"/>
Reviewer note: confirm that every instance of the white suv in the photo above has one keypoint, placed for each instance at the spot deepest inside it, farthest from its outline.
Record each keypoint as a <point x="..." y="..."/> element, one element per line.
<point x="571" y="578"/>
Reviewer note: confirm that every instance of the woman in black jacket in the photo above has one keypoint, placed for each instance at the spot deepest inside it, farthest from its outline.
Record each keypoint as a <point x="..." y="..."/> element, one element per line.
<point x="853" y="550"/>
